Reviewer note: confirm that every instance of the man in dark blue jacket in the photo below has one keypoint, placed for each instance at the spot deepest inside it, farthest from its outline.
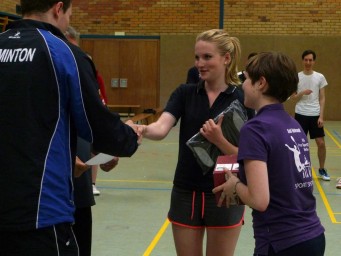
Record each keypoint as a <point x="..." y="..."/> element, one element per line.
<point x="48" y="96"/>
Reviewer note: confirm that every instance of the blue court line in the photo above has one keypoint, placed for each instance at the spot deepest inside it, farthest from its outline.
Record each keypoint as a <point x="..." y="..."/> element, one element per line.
<point x="331" y="194"/>
<point x="337" y="135"/>
<point x="125" y="188"/>
<point x="327" y="194"/>
<point x="332" y="137"/>
<point x="169" y="189"/>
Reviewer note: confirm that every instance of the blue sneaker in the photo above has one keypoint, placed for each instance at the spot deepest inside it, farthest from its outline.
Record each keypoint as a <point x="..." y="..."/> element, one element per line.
<point x="323" y="174"/>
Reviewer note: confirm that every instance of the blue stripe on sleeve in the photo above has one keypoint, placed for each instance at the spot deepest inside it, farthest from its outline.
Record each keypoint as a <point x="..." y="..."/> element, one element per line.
<point x="56" y="199"/>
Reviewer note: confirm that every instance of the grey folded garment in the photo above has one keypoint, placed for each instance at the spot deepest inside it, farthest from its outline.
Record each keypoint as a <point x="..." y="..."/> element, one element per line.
<point x="204" y="151"/>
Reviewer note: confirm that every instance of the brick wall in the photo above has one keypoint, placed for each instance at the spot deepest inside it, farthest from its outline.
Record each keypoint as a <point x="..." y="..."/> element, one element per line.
<point x="172" y="17"/>
<point x="142" y="17"/>
<point x="157" y="17"/>
<point x="8" y="6"/>
<point x="278" y="17"/>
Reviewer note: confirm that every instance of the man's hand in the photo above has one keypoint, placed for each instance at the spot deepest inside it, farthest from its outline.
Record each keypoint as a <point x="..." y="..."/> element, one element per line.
<point x="306" y="92"/>
<point x="136" y="130"/>
<point x="107" y="167"/>
<point x="80" y="167"/>
<point x="320" y="122"/>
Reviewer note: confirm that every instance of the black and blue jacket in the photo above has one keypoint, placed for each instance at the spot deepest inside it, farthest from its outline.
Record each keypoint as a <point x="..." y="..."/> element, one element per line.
<point x="48" y="96"/>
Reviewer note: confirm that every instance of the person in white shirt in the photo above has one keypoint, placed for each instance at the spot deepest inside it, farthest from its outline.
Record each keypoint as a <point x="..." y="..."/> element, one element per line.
<point x="309" y="109"/>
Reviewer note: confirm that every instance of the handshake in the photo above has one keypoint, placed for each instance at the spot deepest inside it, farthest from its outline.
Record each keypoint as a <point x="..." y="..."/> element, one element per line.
<point x="139" y="130"/>
<point x="81" y="167"/>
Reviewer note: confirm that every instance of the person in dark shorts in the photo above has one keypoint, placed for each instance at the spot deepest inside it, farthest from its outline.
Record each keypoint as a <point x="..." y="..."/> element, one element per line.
<point x="309" y="109"/>
<point x="84" y="197"/>
<point x="193" y="208"/>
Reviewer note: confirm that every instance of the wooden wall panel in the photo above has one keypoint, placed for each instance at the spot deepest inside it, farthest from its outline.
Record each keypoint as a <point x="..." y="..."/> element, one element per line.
<point x="136" y="60"/>
<point x="140" y="64"/>
<point x="327" y="62"/>
<point x="177" y="55"/>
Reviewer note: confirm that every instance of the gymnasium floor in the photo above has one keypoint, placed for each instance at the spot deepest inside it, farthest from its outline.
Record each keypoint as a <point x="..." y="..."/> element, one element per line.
<point x="130" y="214"/>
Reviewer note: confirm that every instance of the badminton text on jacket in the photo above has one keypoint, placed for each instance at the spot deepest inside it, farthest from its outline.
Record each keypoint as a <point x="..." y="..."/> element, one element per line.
<point x="17" y="55"/>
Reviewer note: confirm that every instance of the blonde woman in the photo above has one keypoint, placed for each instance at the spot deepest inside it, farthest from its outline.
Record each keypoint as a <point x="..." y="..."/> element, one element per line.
<point x="193" y="210"/>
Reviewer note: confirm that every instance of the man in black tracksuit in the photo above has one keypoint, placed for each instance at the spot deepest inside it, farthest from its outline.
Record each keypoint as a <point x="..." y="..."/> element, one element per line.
<point x="48" y="96"/>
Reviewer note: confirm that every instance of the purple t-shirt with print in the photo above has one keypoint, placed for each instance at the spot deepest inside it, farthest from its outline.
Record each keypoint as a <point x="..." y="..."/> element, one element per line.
<point x="276" y="138"/>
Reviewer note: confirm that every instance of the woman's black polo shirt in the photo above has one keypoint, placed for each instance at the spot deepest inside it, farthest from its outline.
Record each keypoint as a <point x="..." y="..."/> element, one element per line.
<point x="189" y="103"/>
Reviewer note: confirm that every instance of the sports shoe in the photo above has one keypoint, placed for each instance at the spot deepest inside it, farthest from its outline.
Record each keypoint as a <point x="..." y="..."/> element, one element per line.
<point x="338" y="183"/>
<point x="95" y="191"/>
<point x="323" y="174"/>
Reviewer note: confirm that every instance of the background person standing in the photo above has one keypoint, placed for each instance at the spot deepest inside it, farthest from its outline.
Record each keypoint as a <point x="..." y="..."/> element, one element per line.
<point x="193" y="76"/>
<point x="83" y="188"/>
<point x="309" y="110"/>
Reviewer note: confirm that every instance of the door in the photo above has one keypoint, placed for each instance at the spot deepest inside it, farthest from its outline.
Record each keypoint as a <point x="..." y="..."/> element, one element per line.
<point x="135" y="61"/>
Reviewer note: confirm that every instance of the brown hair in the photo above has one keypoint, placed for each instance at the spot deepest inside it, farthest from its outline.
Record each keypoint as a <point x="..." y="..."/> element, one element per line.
<point x="279" y="71"/>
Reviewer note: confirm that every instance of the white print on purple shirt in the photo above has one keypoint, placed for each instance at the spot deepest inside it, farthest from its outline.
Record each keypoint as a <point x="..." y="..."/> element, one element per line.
<point x="303" y="167"/>
<point x="304" y="185"/>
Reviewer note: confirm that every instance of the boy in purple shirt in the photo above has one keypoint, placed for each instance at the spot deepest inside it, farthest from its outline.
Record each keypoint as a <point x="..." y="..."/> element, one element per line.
<point x="275" y="170"/>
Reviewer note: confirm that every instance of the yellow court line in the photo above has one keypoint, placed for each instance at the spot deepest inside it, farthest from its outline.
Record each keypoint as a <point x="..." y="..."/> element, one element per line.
<point x="324" y="198"/>
<point x="332" y="137"/>
<point x="156" y="238"/>
<point x="137" y="181"/>
<point x="339" y="146"/>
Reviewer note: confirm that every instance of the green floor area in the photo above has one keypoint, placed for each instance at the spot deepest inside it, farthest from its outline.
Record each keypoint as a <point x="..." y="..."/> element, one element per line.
<point x="130" y="214"/>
